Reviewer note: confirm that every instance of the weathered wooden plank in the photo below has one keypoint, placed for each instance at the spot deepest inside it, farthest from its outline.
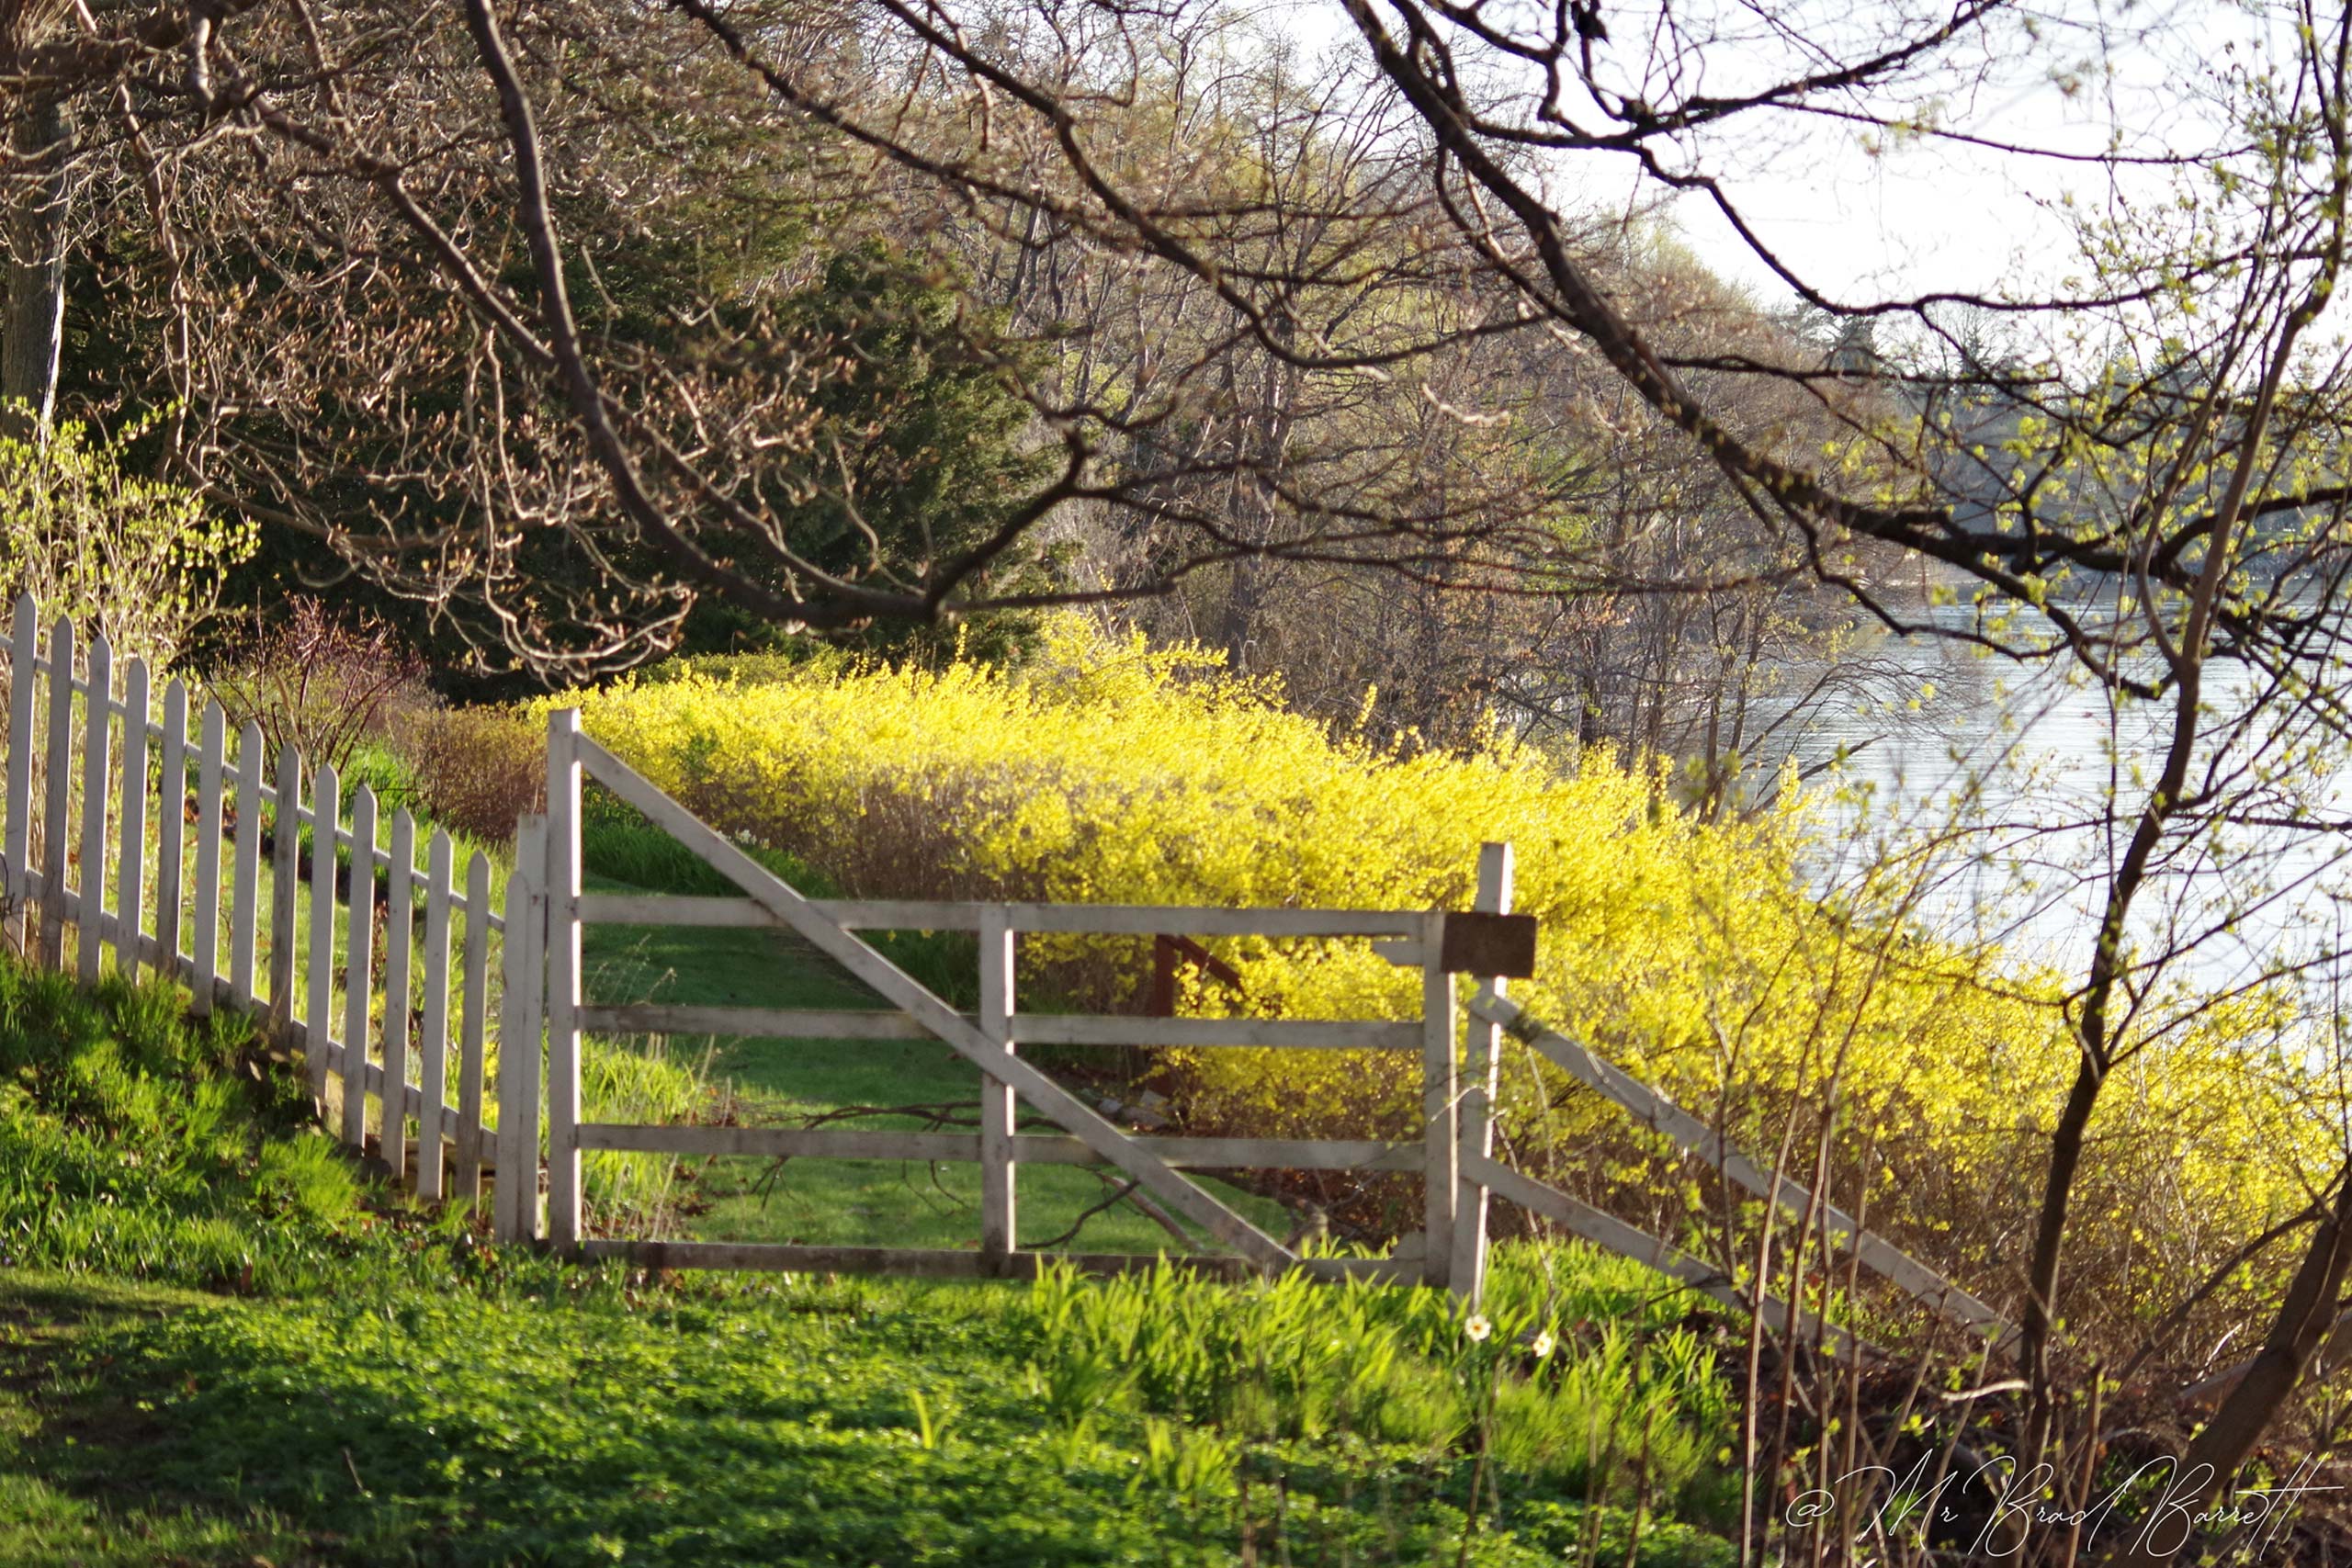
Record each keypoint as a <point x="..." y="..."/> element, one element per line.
<point x="285" y="887"/>
<point x="929" y="1262"/>
<point x="57" y="780"/>
<point x="998" y="1235"/>
<point x="171" y="825"/>
<point x="326" y="805"/>
<point x="1473" y="1119"/>
<point x="1270" y="1033"/>
<point x="964" y="1149"/>
<point x="398" y="939"/>
<point x="1604" y="1229"/>
<point x="520" y="1017"/>
<point x="204" y="941"/>
<point x="1440" y="1082"/>
<point x="432" y="1039"/>
<point x="245" y="879"/>
<point x="563" y="874"/>
<point x="358" y="970"/>
<point x="1146" y="919"/>
<point x="473" y="1028"/>
<point x="782" y="1143"/>
<point x="97" y="757"/>
<point x="1117" y="920"/>
<point x="130" y="816"/>
<point x="1662" y="1115"/>
<point x="24" y="686"/>
<point x="895" y="985"/>
<point x="759" y="1023"/>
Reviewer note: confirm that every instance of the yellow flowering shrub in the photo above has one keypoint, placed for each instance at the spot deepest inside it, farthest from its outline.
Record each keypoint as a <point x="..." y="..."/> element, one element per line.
<point x="1690" y="953"/>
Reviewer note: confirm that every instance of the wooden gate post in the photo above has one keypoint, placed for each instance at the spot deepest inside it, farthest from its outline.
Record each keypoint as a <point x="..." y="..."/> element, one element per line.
<point x="997" y="1104"/>
<point x="516" y="1199"/>
<point x="1481" y="1067"/>
<point x="564" y="876"/>
<point x="1439" y="1140"/>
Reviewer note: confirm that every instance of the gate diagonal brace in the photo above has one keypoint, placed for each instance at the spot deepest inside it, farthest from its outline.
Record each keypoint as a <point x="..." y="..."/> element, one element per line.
<point x="1662" y="1115"/>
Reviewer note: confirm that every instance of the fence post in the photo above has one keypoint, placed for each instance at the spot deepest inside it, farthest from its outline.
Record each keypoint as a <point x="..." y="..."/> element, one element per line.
<point x="204" y="942"/>
<point x="171" y="830"/>
<point x="285" y="890"/>
<point x="474" y="1030"/>
<point x="997" y="1103"/>
<point x="563" y="977"/>
<point x="131" y="863"/>
<point x="358" y="967"/>
<point x="515" y="1214"/>
<point x="1439" y="1176"/>
<point x="326" y="805"/>
<point x="433" y="1074"/>
<point x="98" y="755"/>
<point x="58" y="787"/>
<point x="1480" y="1073"/>
<point x="245" y="879"/>
<point x="398" y="898"/>
<point x="24" y="685"/>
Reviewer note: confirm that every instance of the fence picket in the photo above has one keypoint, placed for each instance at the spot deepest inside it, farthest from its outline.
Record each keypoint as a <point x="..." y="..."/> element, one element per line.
<point x="204" y="940"/>
<point x="433" y="1038"/>
<point x="56" y="831"/>
<point x="244" y="900"/>
<point x="397" y="941"/>
<point x="171" y="829"/>
<point x="284" y="888"/>
<point x="131" y="863"/>
<point x="23" y="688"/>
<point x="98" y="754"/>
<point x="998" y="1105"/>
<point x="326" y="805"/>
<point x="474" y="1030"/>
<point x="359" y="953"/>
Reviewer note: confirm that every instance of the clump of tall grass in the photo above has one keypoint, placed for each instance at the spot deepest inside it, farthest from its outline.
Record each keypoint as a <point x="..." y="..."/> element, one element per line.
<point x="136" y="1140"/>
<point x="1623" y="1407"/>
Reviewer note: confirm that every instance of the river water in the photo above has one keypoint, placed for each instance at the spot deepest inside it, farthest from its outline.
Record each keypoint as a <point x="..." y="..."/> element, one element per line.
<point x="2032" y="775"/>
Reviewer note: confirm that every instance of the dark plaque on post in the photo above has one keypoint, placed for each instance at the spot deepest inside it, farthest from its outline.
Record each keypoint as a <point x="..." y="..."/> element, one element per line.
<point x="1500" y="945"/>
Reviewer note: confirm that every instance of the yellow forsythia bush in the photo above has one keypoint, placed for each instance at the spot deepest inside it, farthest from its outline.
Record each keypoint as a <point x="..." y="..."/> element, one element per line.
<point x="1108" y="770"/>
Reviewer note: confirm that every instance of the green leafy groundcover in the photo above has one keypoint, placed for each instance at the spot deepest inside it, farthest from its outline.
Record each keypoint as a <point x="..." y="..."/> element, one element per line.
<point x="219" y="1344"/>
<point x="822" y="1423"/>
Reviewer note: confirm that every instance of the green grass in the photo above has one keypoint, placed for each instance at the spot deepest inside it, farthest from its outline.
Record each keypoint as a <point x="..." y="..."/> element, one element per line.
<point x="219" y="1342"/>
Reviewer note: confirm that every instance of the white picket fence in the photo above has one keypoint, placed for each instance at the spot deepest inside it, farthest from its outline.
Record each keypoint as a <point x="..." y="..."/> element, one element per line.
<point x="109" y="848"/>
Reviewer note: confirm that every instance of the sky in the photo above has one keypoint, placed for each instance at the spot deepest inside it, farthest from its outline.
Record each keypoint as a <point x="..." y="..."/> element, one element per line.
<point x="1862" y="223"/>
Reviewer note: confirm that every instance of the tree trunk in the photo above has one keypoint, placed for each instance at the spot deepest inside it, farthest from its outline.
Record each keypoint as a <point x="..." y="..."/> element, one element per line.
<point x="32" y="330"/>
<point x="2296" y="1336"/>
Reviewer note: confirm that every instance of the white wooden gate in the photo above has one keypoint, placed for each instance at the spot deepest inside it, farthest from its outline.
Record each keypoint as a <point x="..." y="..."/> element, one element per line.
<point x="990" y="1040"/>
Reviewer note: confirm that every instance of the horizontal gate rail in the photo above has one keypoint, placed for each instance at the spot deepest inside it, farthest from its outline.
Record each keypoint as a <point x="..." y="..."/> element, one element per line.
<point x="1081" y="919"/>
<point x="1028" y="1028"/>
<point x="1029" y="1148"/>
